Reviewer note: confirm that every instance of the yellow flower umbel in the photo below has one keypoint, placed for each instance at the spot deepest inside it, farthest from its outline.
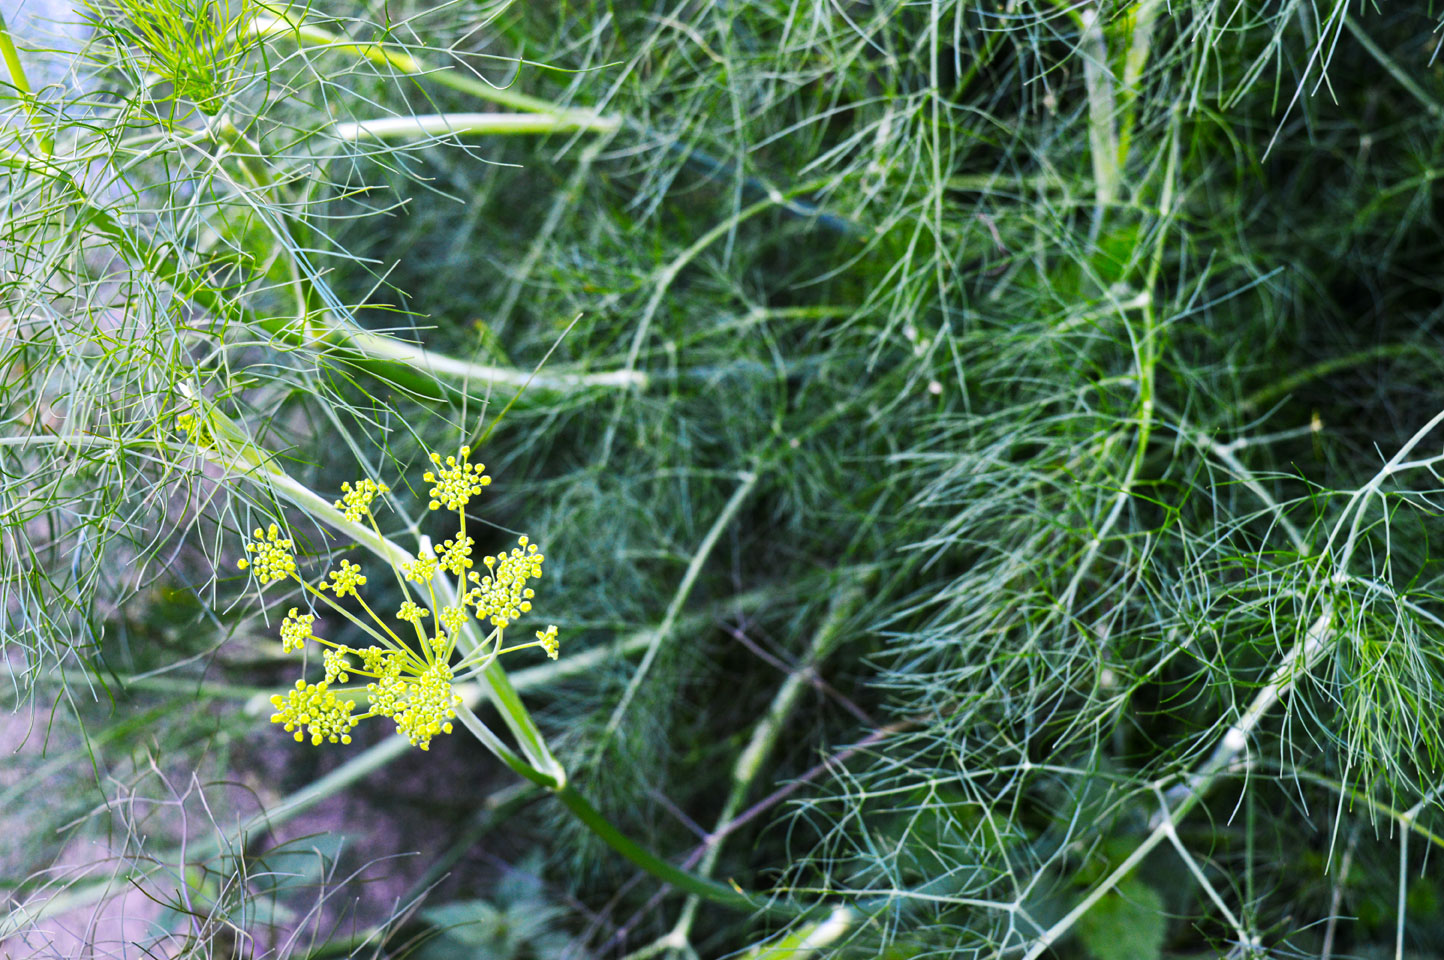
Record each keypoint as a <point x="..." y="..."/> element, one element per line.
<point x="409" y="681"/>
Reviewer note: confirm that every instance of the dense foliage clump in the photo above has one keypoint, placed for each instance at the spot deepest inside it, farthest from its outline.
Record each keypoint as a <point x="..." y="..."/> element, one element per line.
<point x="987" y="454"/>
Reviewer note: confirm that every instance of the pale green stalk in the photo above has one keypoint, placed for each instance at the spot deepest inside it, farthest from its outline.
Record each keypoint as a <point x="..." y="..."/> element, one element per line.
<point x="1286" y="385"/>
<point x="389" y="348"/>
<point x="1142" y="17"/>
<point x="405" y="364"/>
<point x="431" y="125"/>
<point x="810" y="940"/>
<point x="1102" y="110"/>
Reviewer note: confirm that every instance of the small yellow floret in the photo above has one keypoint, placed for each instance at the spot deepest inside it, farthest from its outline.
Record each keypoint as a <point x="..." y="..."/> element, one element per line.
<point x="422" y="704"/>
<point x="454" y="617"/>
<point x="548" y="640"/>
<point x="411" y="613"/>
<point x="336" y="665"/>
<point x="430" y="707"/>
<point x="503" y="595"/>
<point x="422" y="569"/>
<point x="455" y="555"/>
<point x="197" y="430"/>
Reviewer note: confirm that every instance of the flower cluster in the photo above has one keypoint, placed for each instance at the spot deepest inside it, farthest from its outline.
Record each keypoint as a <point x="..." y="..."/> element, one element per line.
<point x="454" y="556"/>
<point x="295" y="630"/>
<point x="412" y="681"/>
<point x="315" y="707"/>
<point x="412" y="613"/>
<point x="355" y="502"/>
<point x="272" y="557"/>
<point x="423" y="704"/>
<point x="196" y="429"/>
<point x="456" y="482"/>
<point x="502" y="594"/>
<point x="548" y="640"/>
<point x="420" y="570"/>
<point x="345" y="580"/>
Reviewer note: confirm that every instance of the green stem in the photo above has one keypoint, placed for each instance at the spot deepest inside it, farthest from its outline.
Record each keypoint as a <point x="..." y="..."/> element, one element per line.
<point x="519" y="764"/>
<point x="11" y="56"/>
<point x="508" y="703"/>
<point x="657" y="867"/>
<point x="674" y="609"/>
<point x="1142" y="17"/>
<point x="1281" y="388"/>
<point x="603" y="828"/>
<point x="1407" y="819"/>
<point x="1391" y="66"/>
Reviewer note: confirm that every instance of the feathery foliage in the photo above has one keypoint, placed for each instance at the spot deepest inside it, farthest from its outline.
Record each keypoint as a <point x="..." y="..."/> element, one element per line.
<point x="987" y="455"/>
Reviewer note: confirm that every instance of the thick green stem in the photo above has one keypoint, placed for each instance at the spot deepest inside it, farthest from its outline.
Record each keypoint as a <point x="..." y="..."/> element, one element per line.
<point x="456" y="124"/>
<point x="1140" y="44"/>
<point x="518" y="764"/>
<point x="11" y="56"/>
<point x="1102" y="107"/>
<point x="593" y="819"/>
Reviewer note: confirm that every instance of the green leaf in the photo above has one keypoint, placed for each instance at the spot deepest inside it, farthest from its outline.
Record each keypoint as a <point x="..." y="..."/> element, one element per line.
<point x="1127" y="924"/>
